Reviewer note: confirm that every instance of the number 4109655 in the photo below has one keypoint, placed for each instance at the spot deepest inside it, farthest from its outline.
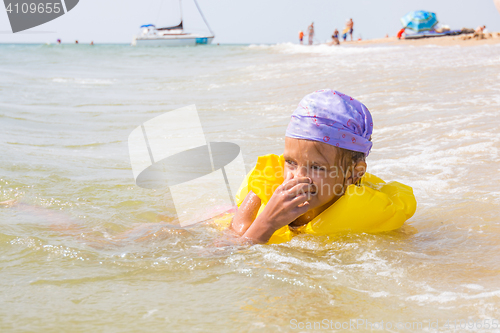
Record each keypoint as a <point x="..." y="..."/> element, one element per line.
<point x="472" y="324"/>
<point x="34" y="8"/>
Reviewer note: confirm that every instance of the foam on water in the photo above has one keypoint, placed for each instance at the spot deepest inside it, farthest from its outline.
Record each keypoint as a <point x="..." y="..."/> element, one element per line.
<point x="291" y="48"/>
<point x="82" y="81"/>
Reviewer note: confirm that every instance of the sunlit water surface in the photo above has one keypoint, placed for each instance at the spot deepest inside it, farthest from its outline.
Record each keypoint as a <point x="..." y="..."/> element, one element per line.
<point x="85" y="249"/>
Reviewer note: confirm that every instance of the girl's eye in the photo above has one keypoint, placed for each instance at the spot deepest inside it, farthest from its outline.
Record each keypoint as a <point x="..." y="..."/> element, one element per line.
<point x="290" y="162"/>
<point x="319" y="168"/>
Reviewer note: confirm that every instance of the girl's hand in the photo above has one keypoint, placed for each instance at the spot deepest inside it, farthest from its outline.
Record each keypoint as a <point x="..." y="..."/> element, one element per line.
<point x="287" y="203"/>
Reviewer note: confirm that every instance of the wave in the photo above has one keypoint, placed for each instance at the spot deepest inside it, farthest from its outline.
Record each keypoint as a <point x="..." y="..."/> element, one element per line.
<point x="292" y="48"/>
<point x="83" y="81"/>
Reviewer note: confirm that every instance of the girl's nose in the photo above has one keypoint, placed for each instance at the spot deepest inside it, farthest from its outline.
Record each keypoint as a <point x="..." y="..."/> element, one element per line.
<point x="301" y="172"/>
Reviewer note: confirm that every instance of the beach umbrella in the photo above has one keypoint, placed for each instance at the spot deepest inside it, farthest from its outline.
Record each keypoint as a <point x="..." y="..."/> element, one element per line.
<point x="419" y="20"/>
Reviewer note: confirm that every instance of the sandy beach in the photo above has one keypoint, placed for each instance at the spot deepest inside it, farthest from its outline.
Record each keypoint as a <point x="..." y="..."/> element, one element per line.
<point x="440" y="41"/>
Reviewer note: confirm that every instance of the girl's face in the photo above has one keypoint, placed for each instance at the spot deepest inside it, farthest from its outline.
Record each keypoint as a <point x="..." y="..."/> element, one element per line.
<point x="321" y="163"/>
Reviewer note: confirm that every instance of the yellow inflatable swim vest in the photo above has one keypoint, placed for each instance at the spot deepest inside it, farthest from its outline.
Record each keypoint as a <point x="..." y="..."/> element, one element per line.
<point x="373" y="206"/>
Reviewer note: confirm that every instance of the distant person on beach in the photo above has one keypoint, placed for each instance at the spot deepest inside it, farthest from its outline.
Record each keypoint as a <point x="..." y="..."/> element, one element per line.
<point x="347" y="29"/>
<point x="301" y="37"/>
<point x="480" y="28"/>
<point x="479" y="33"/>
<point x="335" y="38"/>
<point x="401" y="32"/>
<point x="58" y="41"/>
<point x="350" y="26"/>
<point x="92" y="43"/>
<point x="76" y="41"/>
<point x="335" y="34"/>
<point x="310" y="30"/>
<point x="344" y="33"/>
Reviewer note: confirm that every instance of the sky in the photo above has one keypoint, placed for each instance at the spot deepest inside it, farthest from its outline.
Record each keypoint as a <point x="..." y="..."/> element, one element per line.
<point x="247" y="22"/>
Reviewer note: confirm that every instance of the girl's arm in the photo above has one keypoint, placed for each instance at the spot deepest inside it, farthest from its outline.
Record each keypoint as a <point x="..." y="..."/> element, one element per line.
<point x="246" y="214"/>
<point x="287" y="203"/>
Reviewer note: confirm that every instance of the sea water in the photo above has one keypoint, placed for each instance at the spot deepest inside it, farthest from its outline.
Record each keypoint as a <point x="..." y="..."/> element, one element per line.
<point x="85" y="249"/>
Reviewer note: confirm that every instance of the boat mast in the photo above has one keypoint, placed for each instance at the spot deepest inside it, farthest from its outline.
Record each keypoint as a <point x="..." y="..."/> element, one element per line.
<point x="180" y="7"/>
<point x="203" y="17"/>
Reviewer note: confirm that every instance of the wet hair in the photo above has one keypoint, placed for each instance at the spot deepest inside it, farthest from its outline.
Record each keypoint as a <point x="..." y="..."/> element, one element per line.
<point x="349" y="158"/>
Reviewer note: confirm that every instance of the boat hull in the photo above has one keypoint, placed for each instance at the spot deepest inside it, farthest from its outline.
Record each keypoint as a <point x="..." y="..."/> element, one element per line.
<point x="177" y="41"/>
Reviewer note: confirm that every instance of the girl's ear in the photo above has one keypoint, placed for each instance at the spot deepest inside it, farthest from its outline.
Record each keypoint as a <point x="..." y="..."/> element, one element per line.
<point x="359" y="170"/>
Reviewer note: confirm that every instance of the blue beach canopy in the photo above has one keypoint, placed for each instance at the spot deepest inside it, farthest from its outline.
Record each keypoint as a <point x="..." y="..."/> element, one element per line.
<point x="419" y="20"/>
<point x="147" y="25"/>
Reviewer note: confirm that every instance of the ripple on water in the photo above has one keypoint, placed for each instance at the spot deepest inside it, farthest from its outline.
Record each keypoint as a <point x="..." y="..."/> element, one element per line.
<point x="82" y="241"/>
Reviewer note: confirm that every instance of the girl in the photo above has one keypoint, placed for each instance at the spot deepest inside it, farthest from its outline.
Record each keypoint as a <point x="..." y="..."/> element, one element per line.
<point x="326" y="143"/>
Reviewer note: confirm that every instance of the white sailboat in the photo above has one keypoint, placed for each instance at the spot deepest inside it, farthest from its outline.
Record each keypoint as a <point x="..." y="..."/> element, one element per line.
<point x="150" y="35"/>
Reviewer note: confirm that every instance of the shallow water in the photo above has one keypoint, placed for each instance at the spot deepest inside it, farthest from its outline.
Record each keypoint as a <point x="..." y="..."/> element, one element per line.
<point x="85" y="249"/>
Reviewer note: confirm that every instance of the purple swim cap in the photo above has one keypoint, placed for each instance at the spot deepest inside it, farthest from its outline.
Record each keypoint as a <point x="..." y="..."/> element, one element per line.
<point x="334" y="118"/>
